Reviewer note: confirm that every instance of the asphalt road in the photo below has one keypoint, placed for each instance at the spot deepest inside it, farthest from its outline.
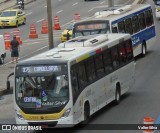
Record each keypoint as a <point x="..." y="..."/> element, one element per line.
<point x="64" y="9"/>
<point x="142" y="100"/>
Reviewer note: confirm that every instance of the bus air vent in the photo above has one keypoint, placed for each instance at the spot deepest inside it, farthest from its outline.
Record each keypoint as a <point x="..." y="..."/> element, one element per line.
<point x="57" y="56"/>
<point x="96" y="40"/>
<point x="51" y="54"/>
<point x="123" y="9"/>
<point x="66" y="49"/>
<point x="103" y="14"/>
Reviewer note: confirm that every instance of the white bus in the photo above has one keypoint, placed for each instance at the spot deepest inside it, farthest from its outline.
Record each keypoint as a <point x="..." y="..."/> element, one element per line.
<point x="66" y="85"/>
<point x="136" y="20"/>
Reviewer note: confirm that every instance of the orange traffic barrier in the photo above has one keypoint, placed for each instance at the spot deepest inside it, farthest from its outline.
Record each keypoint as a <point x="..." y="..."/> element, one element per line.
<point x="7" y="40"/>
<point x="148" y="123"/>
<point x="16" y="33"/>
<point x="44" y="27"/>
<point x="77" y="17"/>
<point x="56" y="23"/>
<point x="33" y="32"/>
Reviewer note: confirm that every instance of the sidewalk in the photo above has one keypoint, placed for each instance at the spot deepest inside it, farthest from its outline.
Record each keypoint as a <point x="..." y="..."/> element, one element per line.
<point x="5" y="4"/>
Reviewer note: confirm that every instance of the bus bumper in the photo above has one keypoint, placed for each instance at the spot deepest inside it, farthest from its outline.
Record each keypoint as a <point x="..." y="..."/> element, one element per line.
<point x="63" y="122"/>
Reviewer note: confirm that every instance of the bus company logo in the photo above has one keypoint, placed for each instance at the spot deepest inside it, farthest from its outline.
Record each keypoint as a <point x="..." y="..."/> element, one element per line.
<point x="6" y="127"/>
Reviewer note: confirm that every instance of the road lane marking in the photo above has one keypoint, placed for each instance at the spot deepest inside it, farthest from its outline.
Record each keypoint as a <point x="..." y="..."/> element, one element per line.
<point x="28" y="13"/>
<point x="102" y="2"/>
<point x="40" y="20"/>
<point x="59" y="11"/>
<point x="90" y="10"/>
<point x="75" y="4"/>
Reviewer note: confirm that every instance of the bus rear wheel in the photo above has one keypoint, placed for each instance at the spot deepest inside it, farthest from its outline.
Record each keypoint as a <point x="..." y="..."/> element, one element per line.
<point x="144" y="49"/>
<point x="117" y="95"/>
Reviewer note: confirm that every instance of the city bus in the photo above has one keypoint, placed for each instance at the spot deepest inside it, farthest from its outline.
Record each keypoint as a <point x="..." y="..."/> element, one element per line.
<point x="64" y="86"/>
<point x="136" y="20"/>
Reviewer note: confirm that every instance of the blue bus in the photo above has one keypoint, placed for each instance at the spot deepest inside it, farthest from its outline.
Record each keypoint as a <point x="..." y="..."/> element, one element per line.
<point x="136" y="20"/>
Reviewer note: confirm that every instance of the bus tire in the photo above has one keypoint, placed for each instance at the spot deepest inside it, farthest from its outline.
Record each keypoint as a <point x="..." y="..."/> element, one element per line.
<point x="86" y="114"/>
<point x="118" y="95"/>
<point x="144" y="49"/>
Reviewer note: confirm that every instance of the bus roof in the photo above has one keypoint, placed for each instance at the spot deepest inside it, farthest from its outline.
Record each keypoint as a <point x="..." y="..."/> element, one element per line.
<point x="116" y="13"/>
<point x="75" y="48"/>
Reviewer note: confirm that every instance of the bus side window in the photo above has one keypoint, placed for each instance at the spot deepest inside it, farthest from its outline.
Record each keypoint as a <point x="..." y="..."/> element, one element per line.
<point x="82" y="75"/>
<point x="149" y="17"/>
<point x="74" y="82"/>
<point x="128" y="26"/>
<point x="114" y="29"/>
<point x="99" y="65"/>
<point x="129" y="51"/>
<point x="107" y="61"/>
<point x="122" y="53"/>
<point x="121" y="27"/>
<point x="142" y="22"/>
<point x="90" y="68"/>
<point x="115" y="57"/>
<point x="135" y="24"/>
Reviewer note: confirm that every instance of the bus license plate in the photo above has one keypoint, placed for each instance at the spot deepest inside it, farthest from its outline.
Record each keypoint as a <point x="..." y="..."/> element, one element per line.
<point x="4" y="23"/>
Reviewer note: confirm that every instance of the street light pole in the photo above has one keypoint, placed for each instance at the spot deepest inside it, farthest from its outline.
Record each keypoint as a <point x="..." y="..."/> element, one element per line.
<point x="50" y="26"/>
<point x="110" y="3"/>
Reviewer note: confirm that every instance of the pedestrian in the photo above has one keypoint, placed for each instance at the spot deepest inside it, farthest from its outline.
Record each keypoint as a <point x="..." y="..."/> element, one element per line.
<point x="15" y="48"/>
<point x="68" y="35"/>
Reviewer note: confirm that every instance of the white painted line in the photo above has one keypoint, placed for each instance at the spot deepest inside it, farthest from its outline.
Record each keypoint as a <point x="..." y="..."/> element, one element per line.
<point x="102" y="2"/>
<point x="40" y="20"/>
<point x="59" y="11"/>
<point x="29" y="13"/>
<point x="32" y="41"/>
<point x="75" y="4"/>
<point x="90" y="10"/>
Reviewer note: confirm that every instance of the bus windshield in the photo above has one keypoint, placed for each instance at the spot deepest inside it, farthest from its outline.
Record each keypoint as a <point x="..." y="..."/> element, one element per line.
<point x="42" y="91"/>
<point x="91" y="28"/>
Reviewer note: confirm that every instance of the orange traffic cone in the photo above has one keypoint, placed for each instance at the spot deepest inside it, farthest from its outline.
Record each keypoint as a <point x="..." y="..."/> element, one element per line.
<point x="16" y="33"/>
<point x="33" y="32"/>
<point x="148" y="123"/>
<point x="44" y="27"/>
<point x="77" y="17"/>
<point x="7" y="40"/>
<point x="56" y="23"/>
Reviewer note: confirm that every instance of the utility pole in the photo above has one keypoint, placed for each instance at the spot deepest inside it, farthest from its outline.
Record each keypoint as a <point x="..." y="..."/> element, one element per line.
<point x="110" y="3"/>
<point x="50" y="26"/>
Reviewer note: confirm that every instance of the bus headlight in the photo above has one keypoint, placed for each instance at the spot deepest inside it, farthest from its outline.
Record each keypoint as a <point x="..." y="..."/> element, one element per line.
<point x="19" y="115"/>
<point x="66" y="114"/>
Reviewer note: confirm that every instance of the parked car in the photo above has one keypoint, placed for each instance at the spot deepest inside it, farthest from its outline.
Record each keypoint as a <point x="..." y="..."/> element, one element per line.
<point x="12" y="17"/>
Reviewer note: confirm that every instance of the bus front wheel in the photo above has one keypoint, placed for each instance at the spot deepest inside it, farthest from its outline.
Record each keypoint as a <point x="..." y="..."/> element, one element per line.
<point x="86" y="114"/>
